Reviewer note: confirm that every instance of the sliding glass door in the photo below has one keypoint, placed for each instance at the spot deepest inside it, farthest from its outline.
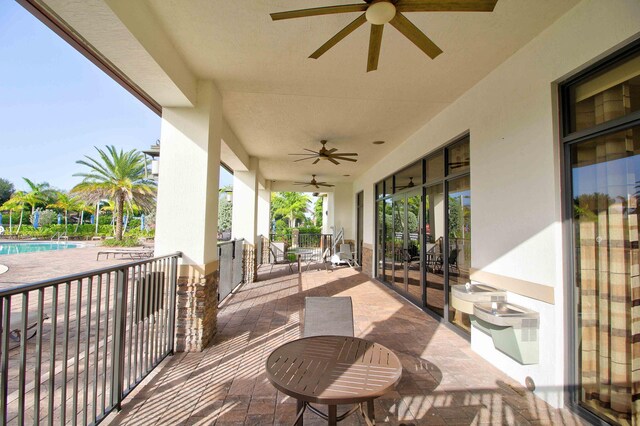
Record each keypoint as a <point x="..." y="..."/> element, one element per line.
<point x="416" y="206"/>
<point x="434" y="247"/>
<point x="459" y="233"/>
<point x="407" y="242"/>
<point x="399" y="246"/>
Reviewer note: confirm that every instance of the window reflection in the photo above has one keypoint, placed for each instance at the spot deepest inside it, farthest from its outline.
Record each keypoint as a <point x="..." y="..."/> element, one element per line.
<point x="611" y="94"/>
<point x="605" y="174"/>
<point x="459" y="253"/>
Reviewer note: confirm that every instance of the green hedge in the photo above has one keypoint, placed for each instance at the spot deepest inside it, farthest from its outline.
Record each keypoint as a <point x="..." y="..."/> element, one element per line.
<point x="84" y="231"/>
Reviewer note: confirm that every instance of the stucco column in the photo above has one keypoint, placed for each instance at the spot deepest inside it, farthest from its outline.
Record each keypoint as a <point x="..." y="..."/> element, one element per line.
<point x="244" y="222"/>
<point x="264" y="222"/>
<point x="264" y="210"/>
<point x="327" y="212"/>
<point x="187" y="211"/>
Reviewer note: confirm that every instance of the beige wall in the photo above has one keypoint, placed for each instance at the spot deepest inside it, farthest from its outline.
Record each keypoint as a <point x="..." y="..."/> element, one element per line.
<point x="344" y="210"/>
<point x="515" y="169"/>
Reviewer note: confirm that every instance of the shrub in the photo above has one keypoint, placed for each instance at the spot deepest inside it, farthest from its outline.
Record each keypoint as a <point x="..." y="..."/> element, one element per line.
<point x="310" y="230"/>
<point x="15" y="217"/>
<point x="105" y="218"/>
<point x="47" y="217"/>
<point x="127" y="241"/>
<point x="133" y="224"/>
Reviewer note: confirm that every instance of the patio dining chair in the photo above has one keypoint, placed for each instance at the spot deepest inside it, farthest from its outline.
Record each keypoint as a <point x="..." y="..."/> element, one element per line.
<point x="282" y="259"/>
<point x="453" y="260"/>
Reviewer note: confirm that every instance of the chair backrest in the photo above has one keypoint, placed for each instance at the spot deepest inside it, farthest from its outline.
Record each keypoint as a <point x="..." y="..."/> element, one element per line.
<point x="345" y="248"/>
<point x="328" y="316"/>
<point x="453" y="257"/>
<point x="274" y="256"/>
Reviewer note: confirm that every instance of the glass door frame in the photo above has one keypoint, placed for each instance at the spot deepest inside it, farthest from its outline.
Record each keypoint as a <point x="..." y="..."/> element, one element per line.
<point x="387" y="195"/>
<point x="567" y="140"/>
<point x="395" y="198"/>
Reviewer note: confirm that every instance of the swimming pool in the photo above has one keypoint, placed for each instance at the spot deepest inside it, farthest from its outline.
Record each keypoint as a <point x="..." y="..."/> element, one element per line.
<point x="17" y="248"/>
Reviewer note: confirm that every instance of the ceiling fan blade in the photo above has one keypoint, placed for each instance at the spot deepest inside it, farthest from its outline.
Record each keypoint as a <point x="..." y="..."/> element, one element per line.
<point x="375" y="41"/>
<point x="310" y="150"/>
<point x="346" y="154"/>
<point x="446" y="5"/>
<point x="337" y="157"/>
<point x="326" y="184"/>
<point x="332" y="150"/>
<point x="339" y="36"/>
<point x="333" y="161"/>
<point x="316" y="11"/>
<point x="300" y="154"/>
<point x="302" y="159"/>
<point x="316" y="162"/>
<point x="417" y="37"/>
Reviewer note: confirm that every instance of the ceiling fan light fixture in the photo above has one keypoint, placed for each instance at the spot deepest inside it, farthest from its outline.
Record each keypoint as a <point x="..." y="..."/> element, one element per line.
<point x="380" y="13"/>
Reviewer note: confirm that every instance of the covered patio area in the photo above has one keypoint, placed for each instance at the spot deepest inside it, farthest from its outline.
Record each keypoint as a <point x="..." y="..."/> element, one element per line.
<point x="444" y="381"/>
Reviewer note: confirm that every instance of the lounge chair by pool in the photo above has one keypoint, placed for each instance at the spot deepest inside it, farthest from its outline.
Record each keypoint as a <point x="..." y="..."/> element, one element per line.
<point x="133" y="254"/>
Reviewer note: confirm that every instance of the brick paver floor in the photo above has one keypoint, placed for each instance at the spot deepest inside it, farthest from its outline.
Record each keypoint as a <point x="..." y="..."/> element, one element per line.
<point x="444" y="381"/>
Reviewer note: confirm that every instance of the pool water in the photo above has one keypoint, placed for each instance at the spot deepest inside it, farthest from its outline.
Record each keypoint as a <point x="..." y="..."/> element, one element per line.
<point x="17" y="248"/>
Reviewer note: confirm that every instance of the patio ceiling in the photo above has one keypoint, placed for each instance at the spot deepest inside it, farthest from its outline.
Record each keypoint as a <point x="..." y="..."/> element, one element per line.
<point x="277" y="101"/>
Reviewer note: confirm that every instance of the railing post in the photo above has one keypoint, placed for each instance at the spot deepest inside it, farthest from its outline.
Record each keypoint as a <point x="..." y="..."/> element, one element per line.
<point x="173" y="276"/>
<point x="122" y="282"/>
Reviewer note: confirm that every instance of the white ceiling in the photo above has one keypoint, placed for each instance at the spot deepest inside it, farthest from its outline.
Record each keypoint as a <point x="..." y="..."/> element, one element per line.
<point x="278" y="101"/>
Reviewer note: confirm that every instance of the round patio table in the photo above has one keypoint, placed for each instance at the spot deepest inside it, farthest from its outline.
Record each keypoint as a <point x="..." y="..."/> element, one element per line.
<point x="333" y="370"/>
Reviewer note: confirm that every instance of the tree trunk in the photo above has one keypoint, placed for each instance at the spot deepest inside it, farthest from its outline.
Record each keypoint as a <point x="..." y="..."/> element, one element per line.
<point x="20" y="223"/>
<point x="65" y="221"/>
<point x="119" y="217"/>
<point x="81" y="220"/>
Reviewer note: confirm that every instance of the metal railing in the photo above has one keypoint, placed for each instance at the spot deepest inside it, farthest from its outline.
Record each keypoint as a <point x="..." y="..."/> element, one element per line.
<point x="230" y="255"/>
<point x="73" y="347"/>
<point x="311" y="244"/>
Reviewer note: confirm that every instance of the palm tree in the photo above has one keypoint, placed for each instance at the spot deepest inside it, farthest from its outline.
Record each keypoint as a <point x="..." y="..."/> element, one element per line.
<point x="17" y="201"/>
<point x="38" y="193"/>
<point x="291" y="205"/>
<point x="83" y="206"/>
<point x="66" y="202"/>
<point x="118" y="176"/>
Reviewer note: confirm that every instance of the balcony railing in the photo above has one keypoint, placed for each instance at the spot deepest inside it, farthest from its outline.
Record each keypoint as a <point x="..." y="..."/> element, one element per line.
<point x="230" y="254"/>
<point x="316" y="243"/>
<point x="72" y="348"/>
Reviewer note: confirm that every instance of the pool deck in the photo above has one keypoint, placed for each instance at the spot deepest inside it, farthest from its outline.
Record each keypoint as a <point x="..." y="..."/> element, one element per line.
<point x="26" y="268"/>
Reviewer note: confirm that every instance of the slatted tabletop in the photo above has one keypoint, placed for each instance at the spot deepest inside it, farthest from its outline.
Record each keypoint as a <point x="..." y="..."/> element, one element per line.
<point x="333" y="369"/>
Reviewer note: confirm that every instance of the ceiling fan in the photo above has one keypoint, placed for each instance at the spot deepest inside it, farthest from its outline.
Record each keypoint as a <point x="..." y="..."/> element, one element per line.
<point x="313" y="182"/>
<point x="458" y="164"/>
<point x="380" y="12"/>
<point x="409" y="185"/>
<point x="327" y="154"/>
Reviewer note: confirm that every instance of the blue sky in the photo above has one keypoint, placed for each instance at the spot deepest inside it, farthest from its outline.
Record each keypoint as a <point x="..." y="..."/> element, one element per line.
<point x="56" y="106"/>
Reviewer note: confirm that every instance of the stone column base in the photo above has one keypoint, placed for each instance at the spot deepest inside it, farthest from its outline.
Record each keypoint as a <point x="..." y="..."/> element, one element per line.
<point x="249" y="266"/>
<point x="367" y="260"/>
<point x="197" y="307"/>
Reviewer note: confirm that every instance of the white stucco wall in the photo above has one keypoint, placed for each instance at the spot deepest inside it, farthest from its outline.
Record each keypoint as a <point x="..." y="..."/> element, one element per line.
<point x="515" y="169"/>
<point x="343" y="210"/>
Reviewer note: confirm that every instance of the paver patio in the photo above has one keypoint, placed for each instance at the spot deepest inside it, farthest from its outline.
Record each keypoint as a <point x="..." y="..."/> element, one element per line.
<point x="444" y="381"/>
<point x="27" y="268"/>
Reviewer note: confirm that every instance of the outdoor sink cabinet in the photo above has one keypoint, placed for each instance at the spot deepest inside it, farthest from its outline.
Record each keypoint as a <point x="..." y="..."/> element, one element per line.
<point x="513" y="328"/>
